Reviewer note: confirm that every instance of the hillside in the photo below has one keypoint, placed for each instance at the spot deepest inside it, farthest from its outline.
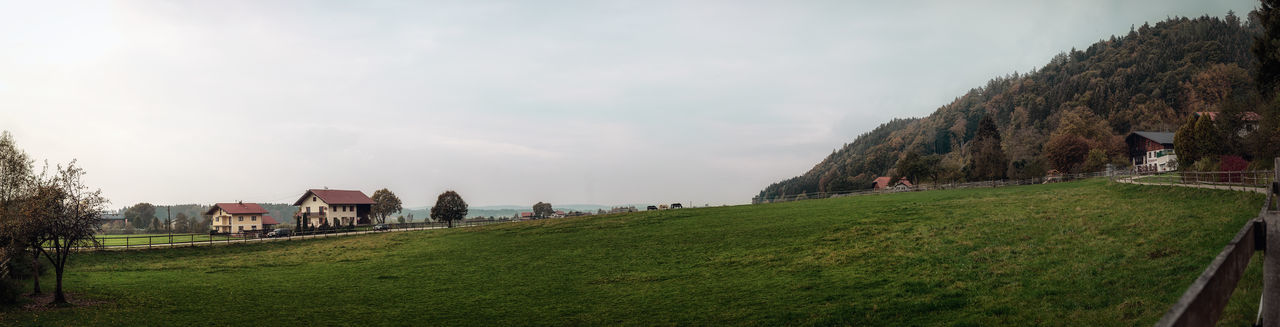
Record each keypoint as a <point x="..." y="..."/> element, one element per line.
<point x="1149" y="79"/>
<point x="1086" y="253"/>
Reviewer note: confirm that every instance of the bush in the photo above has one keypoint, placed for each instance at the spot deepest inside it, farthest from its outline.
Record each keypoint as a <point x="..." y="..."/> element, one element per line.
<point x="10" y="291"/>
<point x="20" y="267"/>
<point x="1205" y="164"/>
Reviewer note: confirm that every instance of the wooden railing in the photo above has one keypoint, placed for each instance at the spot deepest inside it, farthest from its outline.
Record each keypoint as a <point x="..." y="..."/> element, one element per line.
<point x="1203" y="302"/>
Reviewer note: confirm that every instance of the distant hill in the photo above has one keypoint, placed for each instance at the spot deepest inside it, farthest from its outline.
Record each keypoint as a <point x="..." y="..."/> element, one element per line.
<point x="1150" y="79"/>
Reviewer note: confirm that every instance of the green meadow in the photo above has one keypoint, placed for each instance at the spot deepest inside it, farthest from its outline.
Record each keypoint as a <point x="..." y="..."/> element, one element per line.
<point x="1081" y="253"/>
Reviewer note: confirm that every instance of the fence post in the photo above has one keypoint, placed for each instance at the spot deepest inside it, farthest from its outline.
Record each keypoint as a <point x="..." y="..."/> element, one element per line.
<point x="1269" y="309"/>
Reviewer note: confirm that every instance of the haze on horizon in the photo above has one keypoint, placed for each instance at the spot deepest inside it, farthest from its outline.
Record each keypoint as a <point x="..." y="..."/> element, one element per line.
<point x="509" y="103"/>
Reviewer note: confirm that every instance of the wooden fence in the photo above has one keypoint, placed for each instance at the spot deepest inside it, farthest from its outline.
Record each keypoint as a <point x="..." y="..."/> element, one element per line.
<point x="1203" y="302"/>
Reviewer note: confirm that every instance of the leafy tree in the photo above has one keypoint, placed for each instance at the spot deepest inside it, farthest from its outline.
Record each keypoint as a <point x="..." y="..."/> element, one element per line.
<point x="182" y="223"/>
<point x="543" y="210"/>
<point x="206" y="224"/>
<point x="1184" y="143"/>
<point x="986" y="157"/>
<point x="385" y="203"/>
<point x="1066" y="152"/>
<point x="449" y="207"/>
<point x="140" y="214"/>
<point x="1266" y="47"/>
<point x="155" y="226"/>
<point x="15" y="181"/>
<point x="400" y="219"/>
<point x="916" y="167"/>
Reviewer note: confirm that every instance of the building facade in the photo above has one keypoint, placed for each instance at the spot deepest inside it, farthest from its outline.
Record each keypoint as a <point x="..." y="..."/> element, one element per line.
<point x="240" y="217"/>
<point x="1152" y="151"/>
<point x="318" y="207"/>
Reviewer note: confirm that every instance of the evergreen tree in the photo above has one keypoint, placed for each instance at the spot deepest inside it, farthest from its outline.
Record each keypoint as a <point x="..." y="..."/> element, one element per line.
<point x="986" y="157"/>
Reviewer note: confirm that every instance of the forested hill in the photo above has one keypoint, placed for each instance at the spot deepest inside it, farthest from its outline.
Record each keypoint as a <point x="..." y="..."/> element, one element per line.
<point x="1149" y="79"/>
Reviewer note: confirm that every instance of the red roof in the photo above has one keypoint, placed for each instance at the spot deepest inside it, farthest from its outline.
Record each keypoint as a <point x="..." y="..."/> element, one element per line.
<point x="267" y="220"/>
<point x="526" y="214"/>
<point x="883" y="182"/>
<point x="336" y="197"/>
<point x="238" y="208"/>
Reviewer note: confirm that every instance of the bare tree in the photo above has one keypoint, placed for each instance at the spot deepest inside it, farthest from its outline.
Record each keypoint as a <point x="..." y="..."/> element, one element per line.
<point x="385" y="203"/>
<point x="73" y="222"/>
<point x="449" y="207"/>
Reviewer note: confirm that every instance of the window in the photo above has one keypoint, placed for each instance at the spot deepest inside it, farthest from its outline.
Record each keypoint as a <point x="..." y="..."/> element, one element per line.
<point x="313" y="198"/>
<point x="253" y="227"/>
<point x="254" y="218"/>
<point x="241" y="228"/>
<point x="308" y="209"/>
<point x="241" y="218"/>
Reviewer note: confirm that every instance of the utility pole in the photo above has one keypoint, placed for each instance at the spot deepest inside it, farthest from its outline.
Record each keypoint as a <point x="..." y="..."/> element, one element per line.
<point x="168" y="220"/>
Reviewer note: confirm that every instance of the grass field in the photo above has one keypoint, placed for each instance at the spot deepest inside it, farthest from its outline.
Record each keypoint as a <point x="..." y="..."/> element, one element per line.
<point x="1080" y="253"/>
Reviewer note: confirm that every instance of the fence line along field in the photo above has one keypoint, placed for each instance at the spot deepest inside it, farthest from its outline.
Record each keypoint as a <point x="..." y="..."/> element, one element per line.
<point x="1089" y="252"/>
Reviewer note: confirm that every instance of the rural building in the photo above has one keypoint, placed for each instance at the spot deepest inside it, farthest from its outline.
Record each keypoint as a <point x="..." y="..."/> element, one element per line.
<point x="240" y="217"/>
<point x="882" y="183"/>
<point x="1152" y="151"/>
<point x="333" y="207"/>
<point x="1251" y="120"/>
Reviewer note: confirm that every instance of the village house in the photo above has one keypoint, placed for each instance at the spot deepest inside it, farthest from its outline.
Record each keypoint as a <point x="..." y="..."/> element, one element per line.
<point x="882" y="183"/>
<point x="333" y="207"/>
<point x="1250" y="119"/>
<point x="240" y="217"/>
<point x="1152" y="151"/>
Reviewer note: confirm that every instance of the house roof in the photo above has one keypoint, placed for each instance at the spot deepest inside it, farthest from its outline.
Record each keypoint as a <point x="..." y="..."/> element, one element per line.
<point x="336" y="197"/>
<point x="238" y="208"/>
<point x="883" y="182"/>
<point x="267" y="220"/>
<point x="1158" y="137"/>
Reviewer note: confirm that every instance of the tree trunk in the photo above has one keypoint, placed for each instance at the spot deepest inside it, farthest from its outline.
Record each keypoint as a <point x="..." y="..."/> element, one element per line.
<point x="35" y="274"/>
<point x="58" y="297"/>
<point x="450" y="223"/>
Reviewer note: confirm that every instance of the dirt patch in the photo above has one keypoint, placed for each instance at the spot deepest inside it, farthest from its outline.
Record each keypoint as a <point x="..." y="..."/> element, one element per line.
<point x="40" y="302"/>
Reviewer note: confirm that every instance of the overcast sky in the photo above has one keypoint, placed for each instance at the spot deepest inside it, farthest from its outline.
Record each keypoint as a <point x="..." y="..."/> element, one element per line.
<point x="603" y="102"/>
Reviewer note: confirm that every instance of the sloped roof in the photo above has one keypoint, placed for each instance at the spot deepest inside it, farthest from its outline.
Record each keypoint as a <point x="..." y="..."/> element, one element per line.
<point x="883" y="182"/>
<point x="238" y="208"/>
<point x="1158" y="137"/>
<point x="337" y="197"/>
<point x="267" y="220"/>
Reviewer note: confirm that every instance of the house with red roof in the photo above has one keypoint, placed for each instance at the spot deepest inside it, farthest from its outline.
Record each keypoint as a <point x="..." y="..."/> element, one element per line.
<point x="882" y="183"/>
<point x="319" y="207"/>
<point x="240" y="217"/>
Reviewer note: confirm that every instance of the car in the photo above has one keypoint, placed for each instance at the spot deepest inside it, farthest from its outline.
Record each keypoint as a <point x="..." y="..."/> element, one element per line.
<point x="651" y="208"/>
<point x="279" y="232"/>
<point x="381" y="227"/>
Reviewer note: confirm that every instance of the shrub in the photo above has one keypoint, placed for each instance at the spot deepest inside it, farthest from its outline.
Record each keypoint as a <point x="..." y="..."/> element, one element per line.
<point x="10" y="291"/>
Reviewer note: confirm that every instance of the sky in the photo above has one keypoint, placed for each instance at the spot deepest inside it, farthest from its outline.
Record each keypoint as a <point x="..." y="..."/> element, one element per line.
<point x="506" y="102"/>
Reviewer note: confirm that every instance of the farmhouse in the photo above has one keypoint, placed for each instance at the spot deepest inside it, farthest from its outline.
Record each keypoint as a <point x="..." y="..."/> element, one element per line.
<point x="333" y="207"/>
<point x="1152" y="151"/>
<point x="1249" y="118"/>
<point x="882" y="183"/>
<point x="240" y="217"/>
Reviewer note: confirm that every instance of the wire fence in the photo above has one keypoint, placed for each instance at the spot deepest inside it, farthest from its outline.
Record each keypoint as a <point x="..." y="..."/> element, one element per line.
<point x="117" y="242"/>
<point x="945" y="186"/>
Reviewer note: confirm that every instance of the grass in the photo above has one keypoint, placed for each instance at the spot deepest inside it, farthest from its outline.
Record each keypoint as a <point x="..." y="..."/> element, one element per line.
<point x="1079" y="253"/>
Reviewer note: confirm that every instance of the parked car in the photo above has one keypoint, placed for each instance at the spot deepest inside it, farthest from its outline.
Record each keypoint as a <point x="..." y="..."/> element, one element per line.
<point x="280" y="232"/>
<point x="381" y="227"/>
